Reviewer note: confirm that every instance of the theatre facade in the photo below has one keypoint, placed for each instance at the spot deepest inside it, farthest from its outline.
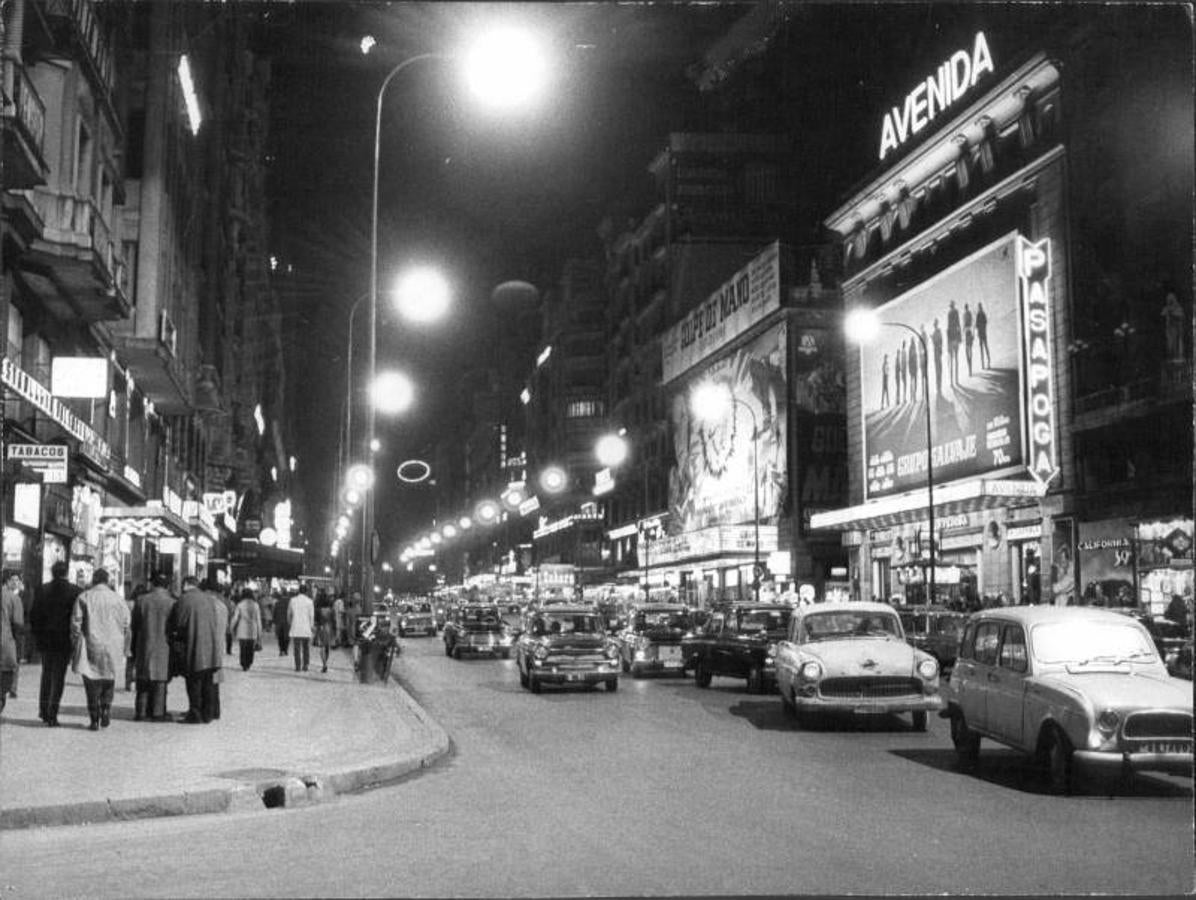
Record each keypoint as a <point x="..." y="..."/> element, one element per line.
<point x="980" y="432"/>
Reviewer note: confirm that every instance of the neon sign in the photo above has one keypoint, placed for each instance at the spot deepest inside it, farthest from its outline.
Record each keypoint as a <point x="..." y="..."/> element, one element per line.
<point x="1034" y="273"/>
<point x="951" y="80"/>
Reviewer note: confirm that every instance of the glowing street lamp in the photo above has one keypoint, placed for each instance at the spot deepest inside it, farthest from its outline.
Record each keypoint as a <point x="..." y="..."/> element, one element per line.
<point x="612" y="450"/>
<point x="392" y="393"/>
<point x="554" y="480"/>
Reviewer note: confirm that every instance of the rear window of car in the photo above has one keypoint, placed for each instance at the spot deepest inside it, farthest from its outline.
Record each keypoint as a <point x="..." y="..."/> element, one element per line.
<point x="1013" y="649"/>
<point x="985" y="643"/>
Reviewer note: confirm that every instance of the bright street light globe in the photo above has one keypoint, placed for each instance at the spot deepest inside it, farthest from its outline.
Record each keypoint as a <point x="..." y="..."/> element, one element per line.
<point x="861" y="325"/>
<point x="554" y="480"/>
<point x="710" y="401"/>
<point x="361" y="477"/>
<point x="611" y="450"/>
<point x="506" y="69"/>
<point x="393" y="393"/>
<point x="422" y="295"/>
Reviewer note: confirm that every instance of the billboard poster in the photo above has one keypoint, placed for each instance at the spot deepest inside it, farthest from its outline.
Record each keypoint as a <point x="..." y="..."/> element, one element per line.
<point x="820" y="421"/>
<point x="1106" y="554"/>
<point x="958" y="337"/>
<point x="720" y="465"/>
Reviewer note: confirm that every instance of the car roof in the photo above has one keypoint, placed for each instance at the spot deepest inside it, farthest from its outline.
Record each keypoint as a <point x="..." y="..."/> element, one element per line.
<point x="1032" y="615"/>
<point x="567" y="608"/>
<point x="661" y="607"/>
<point x="846" y="606"/>
<point x="748" y="604"/>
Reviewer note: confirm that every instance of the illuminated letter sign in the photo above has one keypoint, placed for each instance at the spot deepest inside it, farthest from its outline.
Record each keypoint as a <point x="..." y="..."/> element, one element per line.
<point x="1034" y="273"/>
<point x="951" y="80"/>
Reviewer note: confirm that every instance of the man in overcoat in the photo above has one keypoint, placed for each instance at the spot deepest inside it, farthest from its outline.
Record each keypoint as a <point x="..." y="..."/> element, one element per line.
<point x="194" y="624"/>
<point x="50" y="622"/>
<point x="12" y="624"/>
<point x="151" y="649"/>
<point x="100" y="632"/>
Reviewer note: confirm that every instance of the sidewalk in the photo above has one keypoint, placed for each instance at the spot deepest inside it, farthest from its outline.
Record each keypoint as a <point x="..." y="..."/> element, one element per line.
<point x="284" y="738"/>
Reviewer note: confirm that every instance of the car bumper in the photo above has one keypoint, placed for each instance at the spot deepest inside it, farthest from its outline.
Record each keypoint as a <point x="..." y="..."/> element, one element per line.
<point x="480" y="649"/>
<point x="549" y="675"/>
<point x="871" y="705"/>
<point x="1175" y="763"/>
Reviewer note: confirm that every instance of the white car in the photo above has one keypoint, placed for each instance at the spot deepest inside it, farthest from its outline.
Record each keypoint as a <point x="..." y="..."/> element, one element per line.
<point x="1068" y="685"/>
<point x="853" y="658"/>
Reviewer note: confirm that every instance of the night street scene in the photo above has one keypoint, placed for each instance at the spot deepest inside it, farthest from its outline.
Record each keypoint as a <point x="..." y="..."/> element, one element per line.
<point x="609" y="449"/>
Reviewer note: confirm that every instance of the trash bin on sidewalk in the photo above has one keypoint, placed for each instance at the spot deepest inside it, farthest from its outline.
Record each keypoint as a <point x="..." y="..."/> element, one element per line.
<point x="374" y="648"/>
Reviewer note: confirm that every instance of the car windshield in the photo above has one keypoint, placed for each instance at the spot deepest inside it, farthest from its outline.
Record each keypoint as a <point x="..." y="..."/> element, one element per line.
<point x="662" y="619"/>
<point x="756" y="620"/>
<point x="849" y="623"/>
<point x="1087" y="642"/>
<point x="573" y="623"/>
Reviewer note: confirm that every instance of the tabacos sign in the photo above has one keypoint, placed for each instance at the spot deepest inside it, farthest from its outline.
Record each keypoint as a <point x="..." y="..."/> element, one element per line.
<point x="1033" y="275"/>
<point x="953" y="78"/>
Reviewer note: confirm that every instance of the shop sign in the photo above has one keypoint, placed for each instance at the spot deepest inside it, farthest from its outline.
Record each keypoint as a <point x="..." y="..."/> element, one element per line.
<point x="747" y="298"/>
<point x="29" y="388"/>
<point x="714" y="541"/>
<point x="1034" y="273"/>
<point x="48" y="460"/>
<point x="1024" y="532"/>
<point x="961" y="541"/>
<point x="1106" y="554"/>
<point x="219" y="503"/>
<point x="954" y="78"/>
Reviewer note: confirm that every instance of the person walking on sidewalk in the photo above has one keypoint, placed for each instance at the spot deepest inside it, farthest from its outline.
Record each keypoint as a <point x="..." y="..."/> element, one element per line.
<point x="193" y="622"/>
<point x="246" y="624"/>
<point x="301" y="614"/>
<point x="230" y="606"/>
<point x="338" y="611"/>
<point x="282" y="625"/>
<point x="12" y="624"/>
<point x="325" y="627"/>
<point x="151" y="649"/>
<point x="50" y="622"/>
<point x="224" y="623"/>
<point x="100" y="633"/>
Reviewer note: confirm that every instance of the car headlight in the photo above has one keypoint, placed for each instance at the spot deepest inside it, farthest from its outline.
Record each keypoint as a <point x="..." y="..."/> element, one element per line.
<point x="928" y="669"/>
<point x="541" y="652"/>
<point x="772" y="650"/>
<point x="611" y="651"/>
<point x="1108" y="721"/>
<point x="811" y="671"/>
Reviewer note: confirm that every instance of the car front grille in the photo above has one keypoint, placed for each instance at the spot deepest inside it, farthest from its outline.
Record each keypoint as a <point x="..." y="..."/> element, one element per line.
<point x="879" y="686"/>
<point x="1158" y="725"/>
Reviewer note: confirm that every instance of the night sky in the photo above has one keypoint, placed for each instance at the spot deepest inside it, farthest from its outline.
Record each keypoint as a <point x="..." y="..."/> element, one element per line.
<point x="489" y="200"/>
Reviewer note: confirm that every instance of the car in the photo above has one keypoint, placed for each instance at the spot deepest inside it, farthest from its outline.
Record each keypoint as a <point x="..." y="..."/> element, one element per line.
<point x="1074" y="687"/>
<point x="934" y="629"/>
<point x="416" y="618"/>
<point x="854" y="658"/>
<point x="566" y="645"/>
<point x="739" y="640"/>
<point x="476" y="629"/>
<point x="651" y="641"/>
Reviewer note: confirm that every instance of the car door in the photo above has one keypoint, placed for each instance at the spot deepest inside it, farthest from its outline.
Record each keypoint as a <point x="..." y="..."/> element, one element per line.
<point x="969" y="679"/>
<point x="723" y="646"/>
<point x="1006" y="685"/>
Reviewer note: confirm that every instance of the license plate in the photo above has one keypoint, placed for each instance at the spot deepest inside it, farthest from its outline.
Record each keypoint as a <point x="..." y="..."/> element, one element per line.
<point x="669" y="653"/>
<point x="573" y="676"/>
<point x="1163" y="747"/>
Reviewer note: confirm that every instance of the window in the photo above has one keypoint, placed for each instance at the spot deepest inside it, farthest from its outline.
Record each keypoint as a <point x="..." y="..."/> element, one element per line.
<point x="1013" y="649"/>
<point x="584" y="409"/>
<point x="83" y="161"/>
<point x="14" y="335"/>
<point x="985" y="645"/>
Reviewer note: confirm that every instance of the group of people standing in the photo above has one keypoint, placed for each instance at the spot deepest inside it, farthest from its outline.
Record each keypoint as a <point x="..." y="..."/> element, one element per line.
<point x="150" y="639"/>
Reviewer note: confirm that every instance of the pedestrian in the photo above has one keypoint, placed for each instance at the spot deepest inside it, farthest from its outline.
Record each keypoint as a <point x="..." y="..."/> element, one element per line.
<point x="281" y="623"/>
<point x="246" y="624"/>
<point x="954" y="339"/>
<point x="936" y="338"/>
<point x="130" y="662"/>
<point x="229" y="605"/>
<point x="223" y="622"/>
<point x="338" y="611"/>
<point x="884" y="381"/>
<point x="100" y="633"/>
<point x="194" y="622"/>
<point x="301" y="614"/>
<point x="325" y="627"/>
<point x="267" y="607"/>
<point x="12" y="625"/>
<point x="50" y="622"/>
<point x="969" y="335"/>
<point x="151" y="650"/>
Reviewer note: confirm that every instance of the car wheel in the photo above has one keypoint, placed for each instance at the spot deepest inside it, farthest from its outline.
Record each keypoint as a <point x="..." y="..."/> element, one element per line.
<point x="612" y="685"/>
<point x="533" y="682"/>
<point x="967" y="742"/>
<point x="919" y="717"/>
<point x="1059" y="759"/>
<point x="701" y="674"/>
<point x="755" y="680"/>
<point x="787" y="704"/>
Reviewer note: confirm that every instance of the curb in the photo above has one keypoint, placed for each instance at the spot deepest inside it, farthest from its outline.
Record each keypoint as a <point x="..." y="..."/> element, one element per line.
<point x="292" y="791"/>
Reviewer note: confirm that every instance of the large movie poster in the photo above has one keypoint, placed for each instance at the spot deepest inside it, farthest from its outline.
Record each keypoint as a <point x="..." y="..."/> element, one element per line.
<point x="820" y="421"/>
<point x="711" y="482"/>
<point x="957" y="335"/>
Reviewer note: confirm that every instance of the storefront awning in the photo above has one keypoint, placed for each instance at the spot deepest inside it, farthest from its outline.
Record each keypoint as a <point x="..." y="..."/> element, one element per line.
<point x="250" y="559"/>
<point x="962" y="497"/>
<point x="143" y="521"/>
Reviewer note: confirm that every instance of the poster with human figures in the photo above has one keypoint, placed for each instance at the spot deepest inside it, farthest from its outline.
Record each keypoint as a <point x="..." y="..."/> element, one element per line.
<point x="955" y="339"/>
<point x="711" y="482"/>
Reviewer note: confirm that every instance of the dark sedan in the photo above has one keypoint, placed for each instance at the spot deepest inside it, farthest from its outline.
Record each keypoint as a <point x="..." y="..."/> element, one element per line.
<point x="739" y="641"/>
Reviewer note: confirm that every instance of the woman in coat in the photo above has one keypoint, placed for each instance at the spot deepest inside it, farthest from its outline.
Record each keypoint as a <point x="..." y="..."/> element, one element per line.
<point x="100" y="632"/>
<point x="246" y="627"/>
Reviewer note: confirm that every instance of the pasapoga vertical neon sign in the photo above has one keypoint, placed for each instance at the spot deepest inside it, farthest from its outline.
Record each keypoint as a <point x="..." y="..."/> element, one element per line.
<point x="1034" y="274"/>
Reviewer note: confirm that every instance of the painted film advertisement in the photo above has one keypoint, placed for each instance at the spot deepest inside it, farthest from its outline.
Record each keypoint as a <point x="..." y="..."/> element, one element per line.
<point x="957" y="337"/>
<point x="820" y="421"/>
<point x="720" y="464"/>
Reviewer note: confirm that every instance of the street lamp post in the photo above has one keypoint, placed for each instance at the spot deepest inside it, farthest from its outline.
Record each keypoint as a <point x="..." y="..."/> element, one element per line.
<point x="861" y="325"/>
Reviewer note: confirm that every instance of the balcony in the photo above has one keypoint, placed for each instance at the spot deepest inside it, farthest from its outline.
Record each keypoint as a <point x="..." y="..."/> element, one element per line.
<point x="24" y="124"/>
<point x="74" y="265"/>
<point x="1133" y="399"/>
<point x="75" y="25"/>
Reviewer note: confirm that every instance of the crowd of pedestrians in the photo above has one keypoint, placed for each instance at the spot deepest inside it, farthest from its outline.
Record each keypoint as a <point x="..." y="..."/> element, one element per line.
<point x="152" y="638"/>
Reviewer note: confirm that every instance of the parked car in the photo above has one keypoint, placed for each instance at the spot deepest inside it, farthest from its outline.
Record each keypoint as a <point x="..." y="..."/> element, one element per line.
<point x="854" y="658"/>
<point x="738" y="641"/>
<point x="935" y="629"/>
<point x="476" y="629"/>
<point x="416" y="618"/>
<point x="566" y="645"/>
<point x="651" y="642"/>
<point x="1074" y="687"/>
